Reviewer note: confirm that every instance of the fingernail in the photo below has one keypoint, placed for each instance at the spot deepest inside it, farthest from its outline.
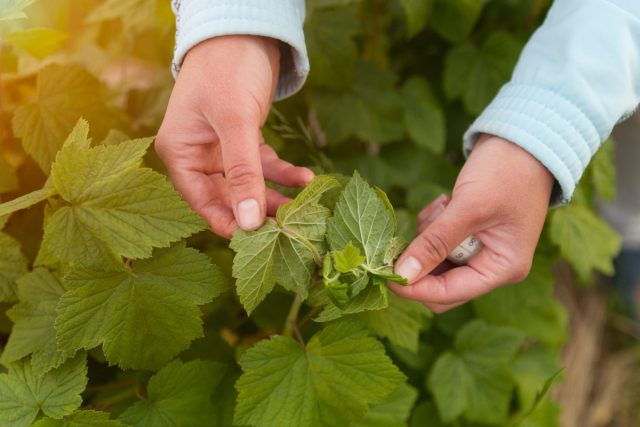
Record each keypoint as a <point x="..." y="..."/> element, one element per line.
<point x="442" y="199"/>
<point x="308" y="176"/>
<point x="409" y="268"/>
<point x="437" y="211"/>
<point x="249" y="217"/>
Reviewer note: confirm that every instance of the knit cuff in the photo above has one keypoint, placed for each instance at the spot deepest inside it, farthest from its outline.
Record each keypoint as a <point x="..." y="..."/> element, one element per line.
<point x="546" y="124"/>
<point x="199" y="20"/>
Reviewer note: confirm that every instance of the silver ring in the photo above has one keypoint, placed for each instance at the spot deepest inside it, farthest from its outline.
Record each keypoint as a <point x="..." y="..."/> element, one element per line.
<point x="465" y="250"/>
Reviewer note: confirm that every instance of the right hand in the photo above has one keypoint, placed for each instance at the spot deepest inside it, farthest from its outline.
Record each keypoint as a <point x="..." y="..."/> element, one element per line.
<point x="210" y="138"/>
<point x="501" y="196"/>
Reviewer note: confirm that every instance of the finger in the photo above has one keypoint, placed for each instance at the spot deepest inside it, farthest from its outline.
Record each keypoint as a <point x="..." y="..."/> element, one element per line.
<point x="274" y="201"/>
<point x="432" y="246"/>
<point x="240" y="146"/>
<point x="431" y="212"/>
<point x="283" y="172"/>
<point x="205" y="195"/>
<point x="441" y="308"/>
<point x="427" y="213"/>
<point x="221" y="219"/>
<point x="484" y="273"/>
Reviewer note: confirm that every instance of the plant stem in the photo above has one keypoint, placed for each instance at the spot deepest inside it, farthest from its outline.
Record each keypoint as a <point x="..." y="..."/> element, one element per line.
<point x="116" y="398"/>
<point x="292" y="317"/>
<point x="309" y="316"/>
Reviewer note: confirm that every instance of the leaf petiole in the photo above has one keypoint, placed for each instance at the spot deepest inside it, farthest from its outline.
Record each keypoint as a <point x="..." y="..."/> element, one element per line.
<point x="316" y="255"/>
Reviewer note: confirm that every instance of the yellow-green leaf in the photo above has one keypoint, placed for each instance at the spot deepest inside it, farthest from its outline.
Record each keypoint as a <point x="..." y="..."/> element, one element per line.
<point x="112" y="207"/>
<point x="13" y="264"/>
<point x="65" y="93"/>
<point x="144" y="316"/>
<point x="39" y="42"/>
<point x="283" y="252"/>
<point x="34" y="322"/>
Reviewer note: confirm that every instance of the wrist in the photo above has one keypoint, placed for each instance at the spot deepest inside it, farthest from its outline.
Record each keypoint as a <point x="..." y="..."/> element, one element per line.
<point x="517" y="160"/>
<point x="234" y="44"/>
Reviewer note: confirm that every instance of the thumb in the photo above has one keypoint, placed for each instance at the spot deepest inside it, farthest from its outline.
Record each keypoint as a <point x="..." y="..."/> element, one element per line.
<point x="453" y="222"/>
<point x="240" y="147"/>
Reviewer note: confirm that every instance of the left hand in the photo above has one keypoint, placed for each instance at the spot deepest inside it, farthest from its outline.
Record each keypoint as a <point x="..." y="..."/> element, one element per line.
<point x="501" y="196"/>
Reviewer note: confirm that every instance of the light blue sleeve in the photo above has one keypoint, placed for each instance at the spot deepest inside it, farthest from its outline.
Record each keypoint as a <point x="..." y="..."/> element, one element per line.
<point x="576" y="78"/>
<point x="199" y="20"/>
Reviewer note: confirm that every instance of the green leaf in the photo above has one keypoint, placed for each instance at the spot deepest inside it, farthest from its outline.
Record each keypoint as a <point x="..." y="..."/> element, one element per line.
<point x="534" y="370"/>
<point x="13" y="9"/>
<point x="362" y="219"/>
<point x="425" y="414"/>
<point x="347" y="259"/>
<point x="474" y="379"/>
<point x="401" y="322"/>
<point x="547" y="414"/>
<point x="143" y="316"/>
<point x="371" y="111"/>
<point x="373" y="297"/>
<point x="81" y="419"/>
<point x="393" y="412"/>
<point x="395" y="248"/>
<point x="39" y="42"/>
<point x="585" y="240"/>
<point x="283" y="252"/>
<point x="178" y="395"/>
<point x="424" y="119"/>
<point x="335" y="380"/>
<point x="603" y="171"/>
<point x="530" y="306"/>
<point x="65" y="93"/>
<point x="13" y="264"/>
<point x="454" y="19"/>
<point x="333" y="53"/>
<point x="34" y="322"/>
<point x="476" y="74"/>
<point x="305" y="215"/>
<point x="27" y="200"/>
<point x="57" y="393"/>
<point x="416" y="13"/>
<point x="114" y="208"/>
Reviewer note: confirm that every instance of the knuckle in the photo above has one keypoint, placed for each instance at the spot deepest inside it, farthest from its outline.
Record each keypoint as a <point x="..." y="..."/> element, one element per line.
<point x="483" y="211"/>
<point x="241" y="175"/>
<point x="236" y="115"/>
<point x="433" y="244"/>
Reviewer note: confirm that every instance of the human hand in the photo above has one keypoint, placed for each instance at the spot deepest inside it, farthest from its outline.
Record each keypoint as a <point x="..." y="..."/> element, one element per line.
<point x="210" y="138"/>
<point x="501" y="196"/>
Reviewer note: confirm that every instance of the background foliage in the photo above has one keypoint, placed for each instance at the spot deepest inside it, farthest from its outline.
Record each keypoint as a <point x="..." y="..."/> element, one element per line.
<point x="94" y="253"/>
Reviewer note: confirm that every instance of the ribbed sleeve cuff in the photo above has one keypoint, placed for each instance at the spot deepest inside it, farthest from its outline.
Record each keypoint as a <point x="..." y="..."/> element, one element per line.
<point x="199" y="20"/>
<point x="546" y="124"/>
